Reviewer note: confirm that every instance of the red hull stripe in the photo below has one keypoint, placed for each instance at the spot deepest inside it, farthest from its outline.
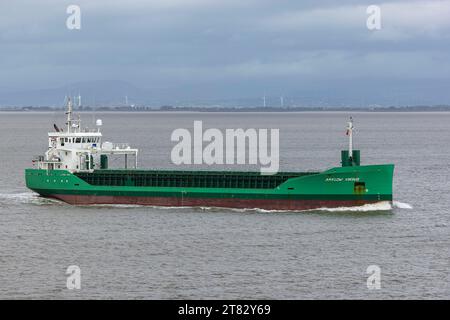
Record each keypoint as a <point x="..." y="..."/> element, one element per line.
<point x="268" y="204"/>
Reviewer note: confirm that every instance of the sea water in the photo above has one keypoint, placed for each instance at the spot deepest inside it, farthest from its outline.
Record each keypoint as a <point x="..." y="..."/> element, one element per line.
<point x="137" y="252"/>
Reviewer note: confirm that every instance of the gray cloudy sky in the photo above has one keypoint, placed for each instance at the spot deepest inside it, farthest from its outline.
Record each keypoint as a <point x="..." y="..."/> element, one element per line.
<point x="313" y="51"/>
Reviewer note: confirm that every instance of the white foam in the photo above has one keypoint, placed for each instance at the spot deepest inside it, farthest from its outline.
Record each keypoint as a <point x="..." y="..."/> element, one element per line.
<point x="25" y="197"/>
<point x="107" y="205"/>
<point x="131" y="206"/>
<point x="18" y="196"/>
<point x="402" y="205"/>
<point x="378" y="206"/>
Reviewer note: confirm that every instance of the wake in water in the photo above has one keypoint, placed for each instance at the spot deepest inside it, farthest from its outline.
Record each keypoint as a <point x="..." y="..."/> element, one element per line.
<point x="25" y="198"/>
<point x="379" y="206"/>
<point x="402" y="205"/>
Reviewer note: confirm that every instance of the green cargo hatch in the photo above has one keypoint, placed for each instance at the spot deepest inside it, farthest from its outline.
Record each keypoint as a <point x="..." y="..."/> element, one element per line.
<point x="187" y="179"/>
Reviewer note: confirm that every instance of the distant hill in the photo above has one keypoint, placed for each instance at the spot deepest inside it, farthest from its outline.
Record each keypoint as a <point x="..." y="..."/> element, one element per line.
<point x="92" y="92"/>
<point x="344" y="94"/>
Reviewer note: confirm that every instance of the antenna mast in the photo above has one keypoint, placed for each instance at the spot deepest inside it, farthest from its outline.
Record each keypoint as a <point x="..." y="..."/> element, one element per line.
<point x="350" y="137"/>
<point x="69" y="114"/>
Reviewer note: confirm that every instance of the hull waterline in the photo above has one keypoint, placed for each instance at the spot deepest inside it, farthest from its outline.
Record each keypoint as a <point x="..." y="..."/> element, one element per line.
<point x="295" y="205"/>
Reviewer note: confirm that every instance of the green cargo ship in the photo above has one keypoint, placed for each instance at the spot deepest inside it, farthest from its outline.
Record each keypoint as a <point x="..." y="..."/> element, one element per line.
<point x="68" y="172"/>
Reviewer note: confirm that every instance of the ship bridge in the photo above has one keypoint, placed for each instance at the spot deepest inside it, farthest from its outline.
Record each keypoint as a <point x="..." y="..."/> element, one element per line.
<point x="79" y="150"/>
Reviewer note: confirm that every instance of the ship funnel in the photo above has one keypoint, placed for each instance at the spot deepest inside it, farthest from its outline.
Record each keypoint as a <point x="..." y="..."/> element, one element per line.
<point x="348" y="161"/>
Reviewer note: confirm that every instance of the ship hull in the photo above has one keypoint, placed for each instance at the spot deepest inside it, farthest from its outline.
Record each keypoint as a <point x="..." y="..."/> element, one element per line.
<point x="336" y="187"/>
<point x="282" y="204"/>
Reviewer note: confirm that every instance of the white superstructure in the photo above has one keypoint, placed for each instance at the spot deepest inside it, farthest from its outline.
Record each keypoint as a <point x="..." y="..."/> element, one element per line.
<point x="77" y="149"/>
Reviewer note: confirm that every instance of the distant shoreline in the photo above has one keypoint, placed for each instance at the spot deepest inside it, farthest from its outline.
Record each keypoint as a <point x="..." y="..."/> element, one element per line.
<point x="439" y="108"/>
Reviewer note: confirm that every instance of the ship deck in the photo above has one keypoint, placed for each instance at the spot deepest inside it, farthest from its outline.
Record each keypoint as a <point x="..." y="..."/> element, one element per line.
<point x="187" y="179"/>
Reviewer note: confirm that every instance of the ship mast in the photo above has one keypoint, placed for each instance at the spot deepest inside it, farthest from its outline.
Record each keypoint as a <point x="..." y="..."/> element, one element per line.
<point x="350" y="138"/>
<point x="69" y="114"/>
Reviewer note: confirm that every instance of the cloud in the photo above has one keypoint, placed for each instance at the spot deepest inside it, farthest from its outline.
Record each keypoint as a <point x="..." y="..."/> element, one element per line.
<point x="181" y="43"/>
<point x="400" y="20"/>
